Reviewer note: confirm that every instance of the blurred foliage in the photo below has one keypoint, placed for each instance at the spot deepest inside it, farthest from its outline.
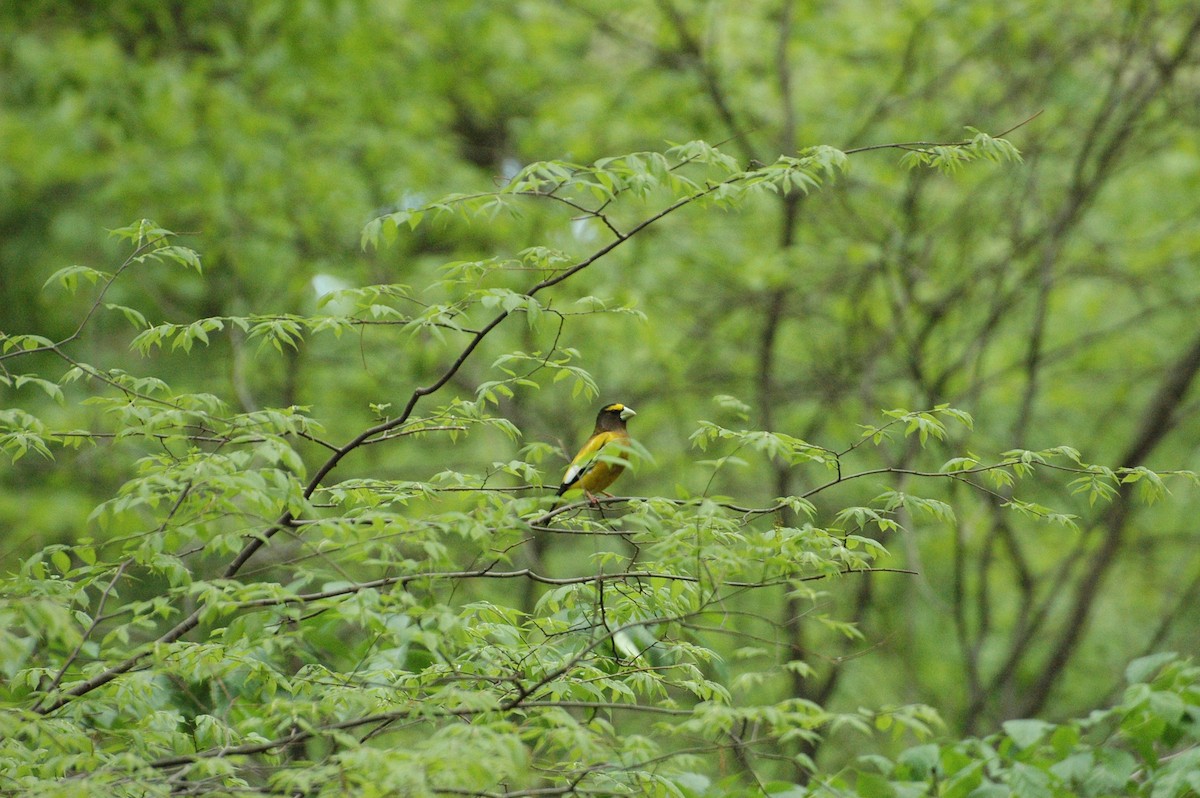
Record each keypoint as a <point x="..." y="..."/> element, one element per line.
<point x="368" y="184"/>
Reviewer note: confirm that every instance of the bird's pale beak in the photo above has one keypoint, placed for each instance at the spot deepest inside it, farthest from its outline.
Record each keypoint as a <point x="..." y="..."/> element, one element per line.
<point x="627" y="413"/>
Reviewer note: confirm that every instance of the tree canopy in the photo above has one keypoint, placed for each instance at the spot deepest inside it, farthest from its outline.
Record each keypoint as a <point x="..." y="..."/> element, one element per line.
<point x="904" y="297"/>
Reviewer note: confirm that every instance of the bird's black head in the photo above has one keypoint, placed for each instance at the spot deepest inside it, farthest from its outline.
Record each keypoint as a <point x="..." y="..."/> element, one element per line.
<point x="613" y="417"/>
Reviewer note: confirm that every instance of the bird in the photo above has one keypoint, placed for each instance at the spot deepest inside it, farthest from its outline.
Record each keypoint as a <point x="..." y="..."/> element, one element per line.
<point x="592" y="470"/>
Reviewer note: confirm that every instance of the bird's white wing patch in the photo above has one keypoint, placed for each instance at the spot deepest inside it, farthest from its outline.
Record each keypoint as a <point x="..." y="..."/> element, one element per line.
<point x="576" y="472"/>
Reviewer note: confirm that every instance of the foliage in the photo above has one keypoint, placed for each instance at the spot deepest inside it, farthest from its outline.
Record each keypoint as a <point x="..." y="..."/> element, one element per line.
<point x="275" y="518"/>
<point x="1145" y="744"/>
<point x="239" y="619"/>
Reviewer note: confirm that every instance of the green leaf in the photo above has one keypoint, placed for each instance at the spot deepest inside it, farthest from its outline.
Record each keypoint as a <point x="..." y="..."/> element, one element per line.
<point x="873" y="785"/>
<point x="68" y="277"/>
<point x="1028" y="781"/>
<point x="1143" y="669"/>
<point x="920" y="761"/>
<point x="61" y="560"/>
<point x="1027" y="733"/>
<point x="134" y="317"/>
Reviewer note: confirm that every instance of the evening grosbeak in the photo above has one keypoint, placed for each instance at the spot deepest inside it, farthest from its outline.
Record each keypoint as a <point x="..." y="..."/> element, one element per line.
<point x="592" y="470"/>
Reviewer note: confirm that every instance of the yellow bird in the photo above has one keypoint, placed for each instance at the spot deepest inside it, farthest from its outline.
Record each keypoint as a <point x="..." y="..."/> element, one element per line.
<point x="592" y="470"/>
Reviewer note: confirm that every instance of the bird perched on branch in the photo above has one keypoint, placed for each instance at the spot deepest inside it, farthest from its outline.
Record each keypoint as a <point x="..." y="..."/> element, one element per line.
<point x="596" y="466"/>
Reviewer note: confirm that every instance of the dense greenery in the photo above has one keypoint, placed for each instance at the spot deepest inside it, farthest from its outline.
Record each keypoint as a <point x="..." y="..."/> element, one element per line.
<point x="913" y="497"/>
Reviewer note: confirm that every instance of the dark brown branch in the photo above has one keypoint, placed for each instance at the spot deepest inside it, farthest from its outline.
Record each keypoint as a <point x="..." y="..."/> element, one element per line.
<point x="97" y="618"/>
<point x="1112" y="128"/>
<point x="558" y="581"/>
<point x="691" y="50"/>
<point x="287" y="520"/>
<point x="1157" y="422"/>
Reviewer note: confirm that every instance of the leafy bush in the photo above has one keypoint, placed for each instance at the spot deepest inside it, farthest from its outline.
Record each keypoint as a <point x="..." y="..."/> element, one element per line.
<point x="259" y="607"/>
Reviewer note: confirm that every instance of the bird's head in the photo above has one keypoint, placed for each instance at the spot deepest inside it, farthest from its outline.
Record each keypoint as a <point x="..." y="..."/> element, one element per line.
<point x="614" y="416"/>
